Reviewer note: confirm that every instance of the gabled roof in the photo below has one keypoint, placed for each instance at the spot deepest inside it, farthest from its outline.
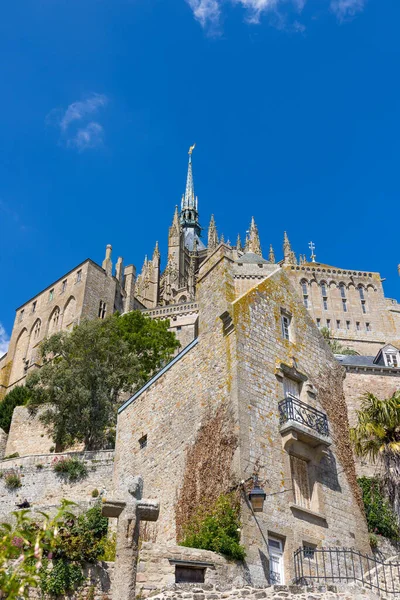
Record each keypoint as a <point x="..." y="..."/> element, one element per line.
<point x="387" y="348"/>
<point x="158" y="375"/>
<point x="249" y="258"/>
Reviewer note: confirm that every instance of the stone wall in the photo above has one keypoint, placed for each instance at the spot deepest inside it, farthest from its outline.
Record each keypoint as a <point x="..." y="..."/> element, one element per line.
<point x="27" y="434"/>
<point x="3" y="443"/>
<point x="358" y="382"/>
<point x="276" y="592"/>
<point x="157" y="563"/>
<point x="44" y="488"/>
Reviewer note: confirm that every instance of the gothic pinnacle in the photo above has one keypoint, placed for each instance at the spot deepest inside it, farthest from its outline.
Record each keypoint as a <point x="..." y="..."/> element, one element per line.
<point x="239" y="243"/>
<point x="254" y="239"/>
<point x="156" y="253"/>
<point x="271" y="256"/>
<point x="212" y="235"/>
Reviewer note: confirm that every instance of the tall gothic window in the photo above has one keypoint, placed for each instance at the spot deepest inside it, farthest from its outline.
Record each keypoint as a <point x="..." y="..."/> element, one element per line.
<point x="285" y="324"/>
<point x="342" y="289"/>
<point x="361" y="292"/>
<point x="56" y="317"/>
<point x="36" y="329"/>
<point x="324" y="295"/>
<point x="304" y="288"/>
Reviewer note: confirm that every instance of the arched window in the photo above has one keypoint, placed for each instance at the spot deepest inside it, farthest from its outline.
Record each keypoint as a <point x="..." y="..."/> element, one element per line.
<point x="342" y="289"/>
<point x="324" y="295"/>
<point x="102" y="309"/>
<point x="362" y="299"/>
<point x="69" y="313"/>
<point x="19" y="359"/>
<point x="36" y="330"/>
<point x="54" y="320"/>
<point x="304" y="288"/>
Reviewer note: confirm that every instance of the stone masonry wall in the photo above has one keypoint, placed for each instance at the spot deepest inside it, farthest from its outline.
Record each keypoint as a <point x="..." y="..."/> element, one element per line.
<point x="157" y="562"/>
<point x="276" y="592"/>
<point x="44" y="488"/>
<point x="27" y="434"/>
<point x="97" y="585"/>
<point x="171" y="411"/>
<point x="358" y="383"/>
<point x="335" y="516"/>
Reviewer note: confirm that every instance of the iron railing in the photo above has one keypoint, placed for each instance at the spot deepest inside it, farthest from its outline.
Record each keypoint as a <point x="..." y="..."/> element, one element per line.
<point x="292" y="409"/>
<point x="346" y="565"/>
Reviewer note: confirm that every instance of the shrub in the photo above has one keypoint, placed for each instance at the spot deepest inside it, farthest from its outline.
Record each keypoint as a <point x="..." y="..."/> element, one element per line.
<point x="380" y="517"/>
<point x="12" y="480"/>
<point x="39" y="466"/>
<point x="64" y="577"/>
<point x="373" y="541"/>
<point x="15" y="455"/>
<point x="217" y="528"/>
<point x="95" y="493"/>
<point x="72" y="468"/>
<point x="109" y="548"/>
<point x="17" y="397"/>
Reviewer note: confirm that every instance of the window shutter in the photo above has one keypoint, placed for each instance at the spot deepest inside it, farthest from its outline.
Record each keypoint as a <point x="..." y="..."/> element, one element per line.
<point x="301" y="484"/>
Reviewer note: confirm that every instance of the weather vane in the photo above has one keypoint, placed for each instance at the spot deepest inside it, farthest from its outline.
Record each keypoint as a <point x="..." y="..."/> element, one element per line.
<point x="191" y="149"/>
<point x="311" y="245"/>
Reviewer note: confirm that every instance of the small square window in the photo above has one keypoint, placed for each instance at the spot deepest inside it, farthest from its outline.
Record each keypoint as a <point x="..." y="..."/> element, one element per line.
<point x="285" y="323"/>
<point x="358" y="325"/>
<point x="319" y="323"/>
<point x="337" y="324"/>
<point x="368" y="326"/>
<point x="79" y="276"/>
<point x="143" y="442"/>
<point x="63" y="286"/>
<point x="51" y="295"/>
<point x="179" y="328"/>
<point x="309" y="551"/>
<point x="21" y="315"/>
<point x="347" y="325"/>
<point x="328" y="323"/>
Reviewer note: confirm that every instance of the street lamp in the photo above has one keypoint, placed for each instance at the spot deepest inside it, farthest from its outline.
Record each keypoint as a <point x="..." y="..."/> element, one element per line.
<point x="257" y="496"/>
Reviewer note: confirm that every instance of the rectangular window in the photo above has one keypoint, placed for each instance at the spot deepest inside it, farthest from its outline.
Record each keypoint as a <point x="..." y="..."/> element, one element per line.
<point x="291" y="388"/>
<point x="325" y="303"/>
<point x="301" y="482"/>
<point x="102" y="309"/>
<point x="179" y="327"/>
<point x="344" y="303"/>
<point x="319" y="323"/>
<point x="143" y="442"/>
<point x="305" y="300"/>
<point x="347" y="325"/>
<point x="34" y="304"/>
<point x="188" y="574"/>
<point x="63" y="286"/>
<point x="21" y="315"/>
<point x="309" y="551"/>
<point x="358" y="325"/>
<point x="79" y="276"/>
<point x="391" y="360"/>
<point x="368" y="326"/>
<point x="285" y="322"/>
<point x="364" y="308"/>
<point x="51" y="295"/>
<point x="337" y="324"/>
<point x="328" y="323"/>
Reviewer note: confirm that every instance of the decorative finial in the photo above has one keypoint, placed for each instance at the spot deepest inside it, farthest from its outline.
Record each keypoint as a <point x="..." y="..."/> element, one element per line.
<point x="271" y="256"/>
<point x="238" y="243"/>
<point x="311" y="245"/>
<point x="191" y="149"/>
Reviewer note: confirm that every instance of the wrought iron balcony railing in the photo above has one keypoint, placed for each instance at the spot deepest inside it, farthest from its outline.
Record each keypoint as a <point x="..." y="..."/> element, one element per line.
<point x="292" y="409"/>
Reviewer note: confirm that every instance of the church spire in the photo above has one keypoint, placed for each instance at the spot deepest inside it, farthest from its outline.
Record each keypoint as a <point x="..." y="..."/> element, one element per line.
<point x="189" y="217"/>
<point x="254" y="239"/>
<point x="212" y="235"/>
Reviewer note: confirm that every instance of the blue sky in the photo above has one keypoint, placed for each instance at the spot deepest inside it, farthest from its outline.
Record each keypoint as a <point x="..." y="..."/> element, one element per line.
<point x="293" y="104"/>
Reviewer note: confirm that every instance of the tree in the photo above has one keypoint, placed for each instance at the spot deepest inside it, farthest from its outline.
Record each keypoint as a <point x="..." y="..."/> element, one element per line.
<point x="377" y="437"/>
<point x="18" y="396"/>
<point x="85" y="371"/>
<point x="22" y="550"/>
<point x="334" y="344"/>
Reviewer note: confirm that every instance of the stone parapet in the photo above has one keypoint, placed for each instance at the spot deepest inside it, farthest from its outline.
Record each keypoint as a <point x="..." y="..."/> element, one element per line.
<point x="275" y="592"/>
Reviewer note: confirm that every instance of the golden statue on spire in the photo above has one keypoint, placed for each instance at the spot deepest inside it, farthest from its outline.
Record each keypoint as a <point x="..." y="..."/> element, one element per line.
<point x="191" y="149"/>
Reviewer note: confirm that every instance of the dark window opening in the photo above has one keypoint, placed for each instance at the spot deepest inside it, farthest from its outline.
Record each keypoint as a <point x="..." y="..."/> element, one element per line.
<point x="185" y="574"/>
<point x="143" y="442"/>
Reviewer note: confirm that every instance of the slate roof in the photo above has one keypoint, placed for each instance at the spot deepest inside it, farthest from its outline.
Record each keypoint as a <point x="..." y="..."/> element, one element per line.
<point x="249" y="258"/>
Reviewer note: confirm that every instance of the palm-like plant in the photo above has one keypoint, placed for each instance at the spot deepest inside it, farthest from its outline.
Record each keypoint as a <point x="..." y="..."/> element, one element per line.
<point x="377" y="438"/>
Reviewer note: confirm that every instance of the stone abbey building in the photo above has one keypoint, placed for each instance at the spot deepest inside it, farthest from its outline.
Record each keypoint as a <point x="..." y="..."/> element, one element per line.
<point x="255" y="394"/>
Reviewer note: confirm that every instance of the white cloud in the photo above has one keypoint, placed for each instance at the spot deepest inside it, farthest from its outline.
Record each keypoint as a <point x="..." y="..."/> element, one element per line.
<point x="90" y="136"/>
<point x="76" y="127"/>
<point x="208" y="12"/>
<point x="4" y="340"/>
<point x="347" y="8"/>
<point x="79" y="110"/>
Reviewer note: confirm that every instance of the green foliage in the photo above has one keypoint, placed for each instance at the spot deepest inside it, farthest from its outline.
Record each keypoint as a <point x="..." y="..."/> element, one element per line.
<point x="22" y="547"/>
<point x="109" y="548"/>
<point x="85" y="371"/>
<point x="380" y="517"/>
<point x="334" y="344"/>
<point x="217" y="528"/>
<point x="373" y="541"/>
<point x="95" y="493"/>
<point x="61" y="578"/>
<point x="18" y="396"/>
<point x="71" y="467"/>
<point x="14" y="455"/>
<point x="12" y="479"/>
